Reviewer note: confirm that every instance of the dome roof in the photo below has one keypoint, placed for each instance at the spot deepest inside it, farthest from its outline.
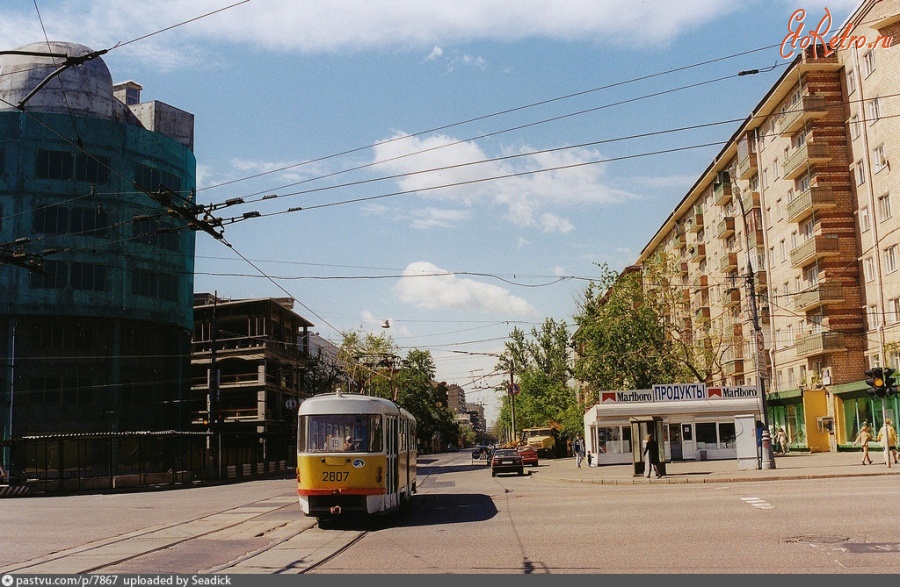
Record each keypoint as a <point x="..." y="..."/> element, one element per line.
<point x="84" y="89"/>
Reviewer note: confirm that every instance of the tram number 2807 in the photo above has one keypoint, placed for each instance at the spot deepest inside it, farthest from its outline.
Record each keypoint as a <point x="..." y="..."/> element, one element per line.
<point x="335" y="475"/>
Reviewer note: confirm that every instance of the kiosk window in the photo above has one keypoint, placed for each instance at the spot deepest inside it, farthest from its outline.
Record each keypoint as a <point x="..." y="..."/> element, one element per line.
<point x="706" y="433"/>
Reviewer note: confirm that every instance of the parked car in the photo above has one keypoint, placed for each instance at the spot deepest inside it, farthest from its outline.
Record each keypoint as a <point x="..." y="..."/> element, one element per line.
<point x="529" y="456"/>
<point x="506" y="460"/>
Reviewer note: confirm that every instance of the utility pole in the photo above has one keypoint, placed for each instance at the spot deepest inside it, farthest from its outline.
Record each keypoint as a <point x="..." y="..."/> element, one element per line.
<point x="767" y="457"/>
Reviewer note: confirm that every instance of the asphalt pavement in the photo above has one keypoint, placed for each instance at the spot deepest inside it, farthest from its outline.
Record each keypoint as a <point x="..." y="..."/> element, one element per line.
<point x="794" y="465"/>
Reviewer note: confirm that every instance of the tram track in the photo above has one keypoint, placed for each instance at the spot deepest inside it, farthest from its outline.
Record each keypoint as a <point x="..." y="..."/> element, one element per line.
<point x="270" y="521"/>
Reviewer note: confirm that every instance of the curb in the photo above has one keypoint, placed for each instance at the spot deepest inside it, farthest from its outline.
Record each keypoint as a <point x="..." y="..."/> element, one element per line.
<point x="708" y="480"/>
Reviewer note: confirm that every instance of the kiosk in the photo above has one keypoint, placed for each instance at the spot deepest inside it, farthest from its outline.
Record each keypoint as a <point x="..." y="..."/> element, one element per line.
<point x="688" y="420"/>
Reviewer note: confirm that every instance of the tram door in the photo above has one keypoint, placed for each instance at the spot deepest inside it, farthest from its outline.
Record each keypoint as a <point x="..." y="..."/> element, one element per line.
<point x="392" y="498"/>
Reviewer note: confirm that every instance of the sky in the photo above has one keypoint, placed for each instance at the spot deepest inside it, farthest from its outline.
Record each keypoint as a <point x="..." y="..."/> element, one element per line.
<point x="456" y="168"/>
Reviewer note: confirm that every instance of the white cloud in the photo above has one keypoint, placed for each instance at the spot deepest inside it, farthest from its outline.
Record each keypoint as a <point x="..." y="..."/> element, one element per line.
<point x="575" y="180"/>
<point x="323" y="26"/>
<point x="435" y="54"/>
<point x="429" y="287"/>
<point x="431" y="217"/>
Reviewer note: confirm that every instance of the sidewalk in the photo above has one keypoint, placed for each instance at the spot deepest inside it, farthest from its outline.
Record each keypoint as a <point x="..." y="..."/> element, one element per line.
<point x="798" y="465"/>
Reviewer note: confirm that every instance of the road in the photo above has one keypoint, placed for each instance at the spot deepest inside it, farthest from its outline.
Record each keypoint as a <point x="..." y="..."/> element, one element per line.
<point x="463" y="521"/>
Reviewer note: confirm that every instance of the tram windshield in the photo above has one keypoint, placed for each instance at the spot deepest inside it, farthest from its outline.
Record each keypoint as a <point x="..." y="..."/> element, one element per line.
<point x="340" y="433"/>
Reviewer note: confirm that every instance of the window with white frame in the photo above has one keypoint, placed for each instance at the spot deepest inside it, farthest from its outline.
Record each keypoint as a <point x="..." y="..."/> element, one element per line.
<point x="854" y="126"/>
<point x="864" y="223"/>
<point x="860" y="171"/>
<point x="874" y="110"/>
<point x="790" y="335"/>
<point x="851" y="82"/>
<point x="811" y="275"/>
<point x="884" y="207"/>
<point x="869" y="269"/>
<point x="868" y="63"/>
<point x="879" y="160"/>
<point x="873" y="317"/>
<point x="890" y="259"/>
<point x="782" y="250"/>
<point x="893" y="311"/>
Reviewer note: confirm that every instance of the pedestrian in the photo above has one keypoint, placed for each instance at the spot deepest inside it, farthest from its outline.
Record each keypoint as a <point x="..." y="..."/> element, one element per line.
<point x="862" y="439"/>
<point x="887" y="436"/>
<point x="651" y="456"/>
<point x="781" y="441"/>
<point x="578" y="449"/>
<point x="589" y="459"/>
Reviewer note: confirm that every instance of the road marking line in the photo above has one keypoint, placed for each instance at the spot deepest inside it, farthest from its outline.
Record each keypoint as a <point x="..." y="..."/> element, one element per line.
<point x="758" y="503"/>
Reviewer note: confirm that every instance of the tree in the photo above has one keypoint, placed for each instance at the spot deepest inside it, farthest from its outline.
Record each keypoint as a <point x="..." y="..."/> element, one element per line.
<point x="542" y="365"/>
<point x="418" y="393"/>
<point x="619" y="341"/>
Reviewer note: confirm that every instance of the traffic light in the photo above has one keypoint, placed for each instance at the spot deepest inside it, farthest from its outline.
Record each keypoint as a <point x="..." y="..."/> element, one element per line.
<point x="889" y="381"/>
<point x="876" y="381"/>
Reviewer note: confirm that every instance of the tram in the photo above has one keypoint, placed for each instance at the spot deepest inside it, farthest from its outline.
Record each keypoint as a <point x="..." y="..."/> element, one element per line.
<point x="356" y="454"/>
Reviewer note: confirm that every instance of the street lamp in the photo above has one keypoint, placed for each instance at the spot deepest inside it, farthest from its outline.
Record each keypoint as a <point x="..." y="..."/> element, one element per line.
<point x="767" y="459"/>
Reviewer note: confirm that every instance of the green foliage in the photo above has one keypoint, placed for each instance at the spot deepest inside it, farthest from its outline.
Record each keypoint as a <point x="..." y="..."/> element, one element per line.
<point x="540" y="362"/>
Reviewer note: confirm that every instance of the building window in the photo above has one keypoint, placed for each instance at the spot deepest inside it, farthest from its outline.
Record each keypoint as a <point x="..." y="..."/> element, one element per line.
<point x="155" y="285"/>
<point x="874" y="111"/>
<point x="851" y="82"/>
<point x="878" y="158"/>
<point x="156" y="233"/>
<point x="890" y="259"/>
<point x="54" y="276"/>
<point x="893" y="310"/>
<point x="860" y="171"/>
<point x="864" y="224"/>
<point x="868" y="63"/>
<point x="869" y="269"/>
<point x="884" y="207"/>
<point x="873" y="317"/>
<point x="79" y="221"/>
<point x="68" y="166"/>
<point x="854" y="126"/>
<point x="87" y="277"/>
<point x="151" y="180"/>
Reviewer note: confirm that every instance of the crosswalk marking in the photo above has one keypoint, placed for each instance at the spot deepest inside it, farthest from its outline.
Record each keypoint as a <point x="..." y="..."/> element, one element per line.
<point x="757" y="503"/>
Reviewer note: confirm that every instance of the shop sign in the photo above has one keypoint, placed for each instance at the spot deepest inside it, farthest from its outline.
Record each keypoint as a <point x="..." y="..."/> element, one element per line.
<point x="732" y="392"/>
<point x="672" y="392"/>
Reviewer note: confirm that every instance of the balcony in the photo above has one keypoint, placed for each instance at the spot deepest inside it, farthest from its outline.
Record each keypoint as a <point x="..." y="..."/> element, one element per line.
<point x="756" y="239"/>
<point x="725" y="228"/>
<point x="722" y="193"/>
<point x="818" y="247"/>
<point x="695" y="221"/>
<point x="683" y="268"/>
<point x="806" y="108"/>
<point x="732" y="297"/>
<point x="698" y="252"/>
<point x="762" y="281"/>
<point x="802" y="158"/>
<point x="728" y="263"/>
<point x="733" y="368"/>
<point x="812" y="299"/>
<point x="820" y="343"/>
<point x="810" y="201"/>
<point x="702" y="313"/>
<point x="746" y="167"/>
<point x="750" y="200"/>
<point x="679" y="239"/>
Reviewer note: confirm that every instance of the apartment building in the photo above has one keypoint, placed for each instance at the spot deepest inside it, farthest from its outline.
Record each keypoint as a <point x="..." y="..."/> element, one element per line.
<point x="786" y="247"/>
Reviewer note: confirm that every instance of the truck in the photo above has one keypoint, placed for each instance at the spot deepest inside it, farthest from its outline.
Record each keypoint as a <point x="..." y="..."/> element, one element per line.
<point x="545" y="440"/>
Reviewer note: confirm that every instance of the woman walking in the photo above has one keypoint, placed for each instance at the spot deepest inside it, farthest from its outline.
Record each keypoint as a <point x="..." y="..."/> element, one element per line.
<point x="863" y="439"/>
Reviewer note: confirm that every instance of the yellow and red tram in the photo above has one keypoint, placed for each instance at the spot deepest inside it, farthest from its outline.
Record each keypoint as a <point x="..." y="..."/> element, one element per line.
<point x="356" y="454"/>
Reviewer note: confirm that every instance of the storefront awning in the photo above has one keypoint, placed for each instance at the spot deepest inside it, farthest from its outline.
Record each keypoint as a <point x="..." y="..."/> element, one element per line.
<point x="706" y="407"/>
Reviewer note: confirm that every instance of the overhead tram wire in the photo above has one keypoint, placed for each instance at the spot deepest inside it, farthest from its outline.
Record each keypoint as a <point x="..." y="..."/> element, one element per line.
<point x="493" y="115"/>
<point x="268" y="195"/>
<point x="477" y="181"/>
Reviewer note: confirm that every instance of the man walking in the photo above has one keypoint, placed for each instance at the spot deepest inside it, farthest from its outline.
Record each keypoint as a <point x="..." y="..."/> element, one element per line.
<point x="578" y="449"/>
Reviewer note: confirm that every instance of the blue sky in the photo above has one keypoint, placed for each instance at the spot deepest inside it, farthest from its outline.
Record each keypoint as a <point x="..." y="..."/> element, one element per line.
<point x="458" y="168"/>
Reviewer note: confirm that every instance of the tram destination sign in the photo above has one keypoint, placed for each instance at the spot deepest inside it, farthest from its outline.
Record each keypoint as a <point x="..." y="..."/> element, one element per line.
<point x="673" y="392"/>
